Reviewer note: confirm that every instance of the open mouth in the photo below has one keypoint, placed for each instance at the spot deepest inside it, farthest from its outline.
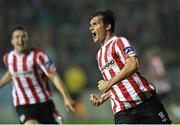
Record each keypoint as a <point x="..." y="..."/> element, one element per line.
<point x="94" y="35"/>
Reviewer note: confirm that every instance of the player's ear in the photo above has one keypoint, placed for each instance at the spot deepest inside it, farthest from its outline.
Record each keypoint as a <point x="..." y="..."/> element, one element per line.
<point x="108" y="27"/>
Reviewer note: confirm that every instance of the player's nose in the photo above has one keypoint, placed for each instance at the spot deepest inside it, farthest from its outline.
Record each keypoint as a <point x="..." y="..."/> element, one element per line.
<point x="90" y="28"/>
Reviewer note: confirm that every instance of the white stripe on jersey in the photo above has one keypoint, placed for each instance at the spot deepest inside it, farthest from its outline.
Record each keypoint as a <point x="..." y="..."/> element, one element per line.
<point x="110" y="63"/>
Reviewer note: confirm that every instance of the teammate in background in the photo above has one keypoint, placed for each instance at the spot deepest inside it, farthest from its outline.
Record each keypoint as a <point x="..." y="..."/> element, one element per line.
<point x="155" y="70"/>
<point x="133" y="98"/>
<point x="30" y="68"/>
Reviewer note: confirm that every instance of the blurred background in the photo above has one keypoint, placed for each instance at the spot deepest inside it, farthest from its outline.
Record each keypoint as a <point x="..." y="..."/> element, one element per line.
<point x="60" y="27"/>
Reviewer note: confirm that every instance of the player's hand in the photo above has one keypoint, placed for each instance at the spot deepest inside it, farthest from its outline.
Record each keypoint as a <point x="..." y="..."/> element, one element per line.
<point x="104" y="86"/>
<point x="70" y="105"/>
<point x="96" y="100"/>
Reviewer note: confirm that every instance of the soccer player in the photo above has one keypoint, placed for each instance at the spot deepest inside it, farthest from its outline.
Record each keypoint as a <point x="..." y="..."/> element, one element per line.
<point x="30" y="68"/>
<point x="133" y="98"/>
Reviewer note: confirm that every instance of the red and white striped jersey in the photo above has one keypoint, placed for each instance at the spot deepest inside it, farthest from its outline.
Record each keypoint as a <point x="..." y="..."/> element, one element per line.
<point x="131" y="91"/>
<point x="29" y="75"/>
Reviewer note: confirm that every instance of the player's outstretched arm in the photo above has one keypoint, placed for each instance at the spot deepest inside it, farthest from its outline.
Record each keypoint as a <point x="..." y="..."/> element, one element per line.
<point x="97" y="100"/>
<point x="5" y="79"/>
<point x="68" y="102"/>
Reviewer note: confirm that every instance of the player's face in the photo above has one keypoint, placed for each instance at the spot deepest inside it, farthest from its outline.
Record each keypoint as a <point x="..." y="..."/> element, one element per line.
<point x="20" y="40"/>
<point x="97" y="29"/>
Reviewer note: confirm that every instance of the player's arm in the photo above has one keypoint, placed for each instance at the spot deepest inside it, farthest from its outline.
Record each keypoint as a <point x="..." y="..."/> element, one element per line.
<point x="97" y="100"/>
<point x="130" y="67"/>
<point x="5" y="79"/>
<point x="69" y="103"/>
<point x="49" y="69"/>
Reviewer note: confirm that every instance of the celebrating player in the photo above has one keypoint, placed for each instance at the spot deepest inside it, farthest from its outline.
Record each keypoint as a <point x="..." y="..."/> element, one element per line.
<point x="30" y="68"/>
<point x="133" y="98"/>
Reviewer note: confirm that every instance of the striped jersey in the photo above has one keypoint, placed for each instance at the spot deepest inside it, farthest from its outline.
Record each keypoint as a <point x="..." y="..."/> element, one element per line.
<point x="29" y="74"/>
<point x="130" y="91"/>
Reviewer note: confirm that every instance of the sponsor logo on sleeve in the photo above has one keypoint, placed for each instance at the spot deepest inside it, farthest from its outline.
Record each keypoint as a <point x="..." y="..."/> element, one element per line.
<point x="49" y="65"/>
<point x="128" y="50"/>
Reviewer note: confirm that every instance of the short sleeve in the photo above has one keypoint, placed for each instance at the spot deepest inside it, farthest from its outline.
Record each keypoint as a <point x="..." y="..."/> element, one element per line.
<point x="124" y="49"/>
<point x="45" y="63"/>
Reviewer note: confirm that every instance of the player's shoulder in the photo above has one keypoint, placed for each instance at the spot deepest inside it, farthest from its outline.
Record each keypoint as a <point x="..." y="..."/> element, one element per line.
<point x="8" y="53"/>
<point x="38" y="50"/>
<point x="122" y="41"/>
<point x="121" y="38"/>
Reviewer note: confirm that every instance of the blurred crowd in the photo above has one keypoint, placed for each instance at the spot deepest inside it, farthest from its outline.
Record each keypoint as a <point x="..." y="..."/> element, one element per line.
<point x="61" y="29"/>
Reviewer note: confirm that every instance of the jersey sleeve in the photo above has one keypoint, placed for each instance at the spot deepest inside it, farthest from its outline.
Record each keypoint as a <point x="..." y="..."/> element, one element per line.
<point x="45" y="63"/>
<point x="124" y="49"/>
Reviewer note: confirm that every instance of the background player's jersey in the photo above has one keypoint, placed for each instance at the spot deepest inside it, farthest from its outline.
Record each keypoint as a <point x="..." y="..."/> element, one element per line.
<point x="29" y="75"/>
<point x="131" y="91"/>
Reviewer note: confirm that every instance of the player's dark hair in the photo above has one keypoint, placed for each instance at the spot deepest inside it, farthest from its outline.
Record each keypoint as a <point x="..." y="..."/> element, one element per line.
<point x="107" y="17"/>
<point x="22" y="28"/>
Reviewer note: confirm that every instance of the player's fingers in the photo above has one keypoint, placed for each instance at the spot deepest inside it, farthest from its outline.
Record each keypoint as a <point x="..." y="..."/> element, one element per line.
<point x="100" y="81"/>
<point x="93" y="102"/>
<point x="92" y="95"/>
<point x="99" y="87"/>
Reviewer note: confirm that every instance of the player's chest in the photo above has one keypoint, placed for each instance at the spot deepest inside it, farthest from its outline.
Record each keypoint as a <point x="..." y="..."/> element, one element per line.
<point x="106" y="59"/>
<point x="21" y="65"/>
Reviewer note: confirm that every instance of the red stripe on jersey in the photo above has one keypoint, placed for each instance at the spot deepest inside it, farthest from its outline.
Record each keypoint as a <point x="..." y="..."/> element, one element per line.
<point x="29" y="81"/>
<point x="14" y="63"/>
<point x="100" y="58"/>
<point x="19" y="81"/>
<point x="41" y="59"/>
<point x="24" y="63"/>
<point x="116" y="57"/>
<point x="106" y="50"/>
<point x="104" y="76"/>
<point x="17" y="98"/>
<point x="145" y="83"/>
<point x="37" y="74"/>
<point x="114" y="93"/>
<point x="46" y="79"/>
<point x="121" y="46"/>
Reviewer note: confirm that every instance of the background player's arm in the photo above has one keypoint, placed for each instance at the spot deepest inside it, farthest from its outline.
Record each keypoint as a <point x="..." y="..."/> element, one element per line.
<point x="130" y="67"/>
<point x="5" y="79"/>
<point x="62" y="89"/>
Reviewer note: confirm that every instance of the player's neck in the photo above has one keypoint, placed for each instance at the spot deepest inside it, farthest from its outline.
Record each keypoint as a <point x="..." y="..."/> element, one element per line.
<point x="109" y="35"/>
<point x="25" y="52"/>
